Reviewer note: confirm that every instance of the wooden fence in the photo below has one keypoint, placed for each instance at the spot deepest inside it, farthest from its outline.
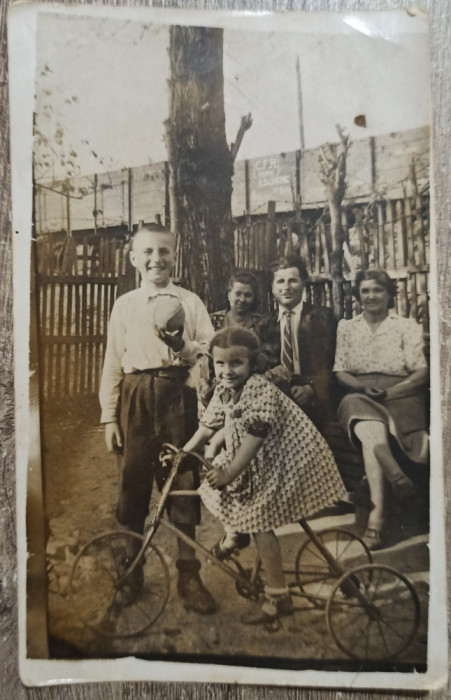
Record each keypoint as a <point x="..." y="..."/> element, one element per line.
<point x="392" y="235"/>
<point x="78" y="281"/>
<point x="79" y="278"/>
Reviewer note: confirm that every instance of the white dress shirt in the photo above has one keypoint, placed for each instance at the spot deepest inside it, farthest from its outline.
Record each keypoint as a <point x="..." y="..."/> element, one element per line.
<point x="133" y="344"/>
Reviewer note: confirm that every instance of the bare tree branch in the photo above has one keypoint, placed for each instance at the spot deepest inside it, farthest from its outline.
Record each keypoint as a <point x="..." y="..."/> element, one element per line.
<point x="246" y="123"/>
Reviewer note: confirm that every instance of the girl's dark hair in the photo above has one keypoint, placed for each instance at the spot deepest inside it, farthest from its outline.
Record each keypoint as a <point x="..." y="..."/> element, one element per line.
<point x="379" y="276"/>
<point x="246" y="277"/>
<point x="235" y="335"/>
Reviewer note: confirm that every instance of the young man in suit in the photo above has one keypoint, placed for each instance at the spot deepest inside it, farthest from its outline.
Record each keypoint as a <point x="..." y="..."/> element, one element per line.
<point x="298" y="340"/>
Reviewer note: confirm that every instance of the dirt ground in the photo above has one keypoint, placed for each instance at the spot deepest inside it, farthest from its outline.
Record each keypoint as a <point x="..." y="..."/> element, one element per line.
<point x="81" y="485"/>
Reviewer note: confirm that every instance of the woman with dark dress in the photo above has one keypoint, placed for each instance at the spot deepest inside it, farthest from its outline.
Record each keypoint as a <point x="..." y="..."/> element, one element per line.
<point x="243" y="295"/>
<point x="380" y="362"/>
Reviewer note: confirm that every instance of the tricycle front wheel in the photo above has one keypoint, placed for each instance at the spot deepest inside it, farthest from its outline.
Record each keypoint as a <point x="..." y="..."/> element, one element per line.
<point x="111" y="597"/>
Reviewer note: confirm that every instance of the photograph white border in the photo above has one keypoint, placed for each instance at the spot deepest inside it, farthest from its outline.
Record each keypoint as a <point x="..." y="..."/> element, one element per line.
<point x="22" y="54"/>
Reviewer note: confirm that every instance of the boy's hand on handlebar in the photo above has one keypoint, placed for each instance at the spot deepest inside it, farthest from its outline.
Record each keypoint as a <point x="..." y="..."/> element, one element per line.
<point x="166" y="460"/>
<point x="217" y="478"/>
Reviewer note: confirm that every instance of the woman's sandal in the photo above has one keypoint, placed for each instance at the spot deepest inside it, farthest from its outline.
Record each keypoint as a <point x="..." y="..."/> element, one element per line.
<point x="223" y="550"/>
<point x="373" y="539"/>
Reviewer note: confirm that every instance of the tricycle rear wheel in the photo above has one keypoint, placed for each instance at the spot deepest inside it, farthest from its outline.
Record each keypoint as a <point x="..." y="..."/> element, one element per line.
<point x="373" y="612"/>
<point x="314" y="575"/>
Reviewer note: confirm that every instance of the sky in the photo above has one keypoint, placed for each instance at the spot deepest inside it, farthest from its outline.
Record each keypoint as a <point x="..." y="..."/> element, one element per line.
<point x="102" y="89"/>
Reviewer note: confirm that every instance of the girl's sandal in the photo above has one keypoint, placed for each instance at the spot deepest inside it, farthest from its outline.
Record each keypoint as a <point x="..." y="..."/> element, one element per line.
<point x="222" y="551"/>
<point x="270" y="612"/>
<point x="272" y="623"/>
<point x="373" y="539"/>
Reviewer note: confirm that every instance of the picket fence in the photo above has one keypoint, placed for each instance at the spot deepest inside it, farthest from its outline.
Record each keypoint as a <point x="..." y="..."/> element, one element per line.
<point x="79" y="277"/>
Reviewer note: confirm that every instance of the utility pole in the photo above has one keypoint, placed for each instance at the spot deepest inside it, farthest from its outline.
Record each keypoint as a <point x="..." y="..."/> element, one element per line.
<point x="300" y="109"/>
<point x="69" y="231"/>
<point x="130" y="202"/>
<point x="298" y="204"/>
<point x="95" y="212"/>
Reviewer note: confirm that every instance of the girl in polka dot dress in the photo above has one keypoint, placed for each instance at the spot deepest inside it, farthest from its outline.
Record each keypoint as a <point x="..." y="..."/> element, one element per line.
<point x="270" y="464"/>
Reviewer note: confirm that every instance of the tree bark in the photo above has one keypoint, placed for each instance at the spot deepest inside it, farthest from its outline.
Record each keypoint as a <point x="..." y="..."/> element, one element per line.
<point x="333" y="175"/>
<point x="200" y="162"/>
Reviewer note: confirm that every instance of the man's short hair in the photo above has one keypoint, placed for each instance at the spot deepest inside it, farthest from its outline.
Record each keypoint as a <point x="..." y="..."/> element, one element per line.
<point x="154" y="227"/>
<point x="287" y="261"/>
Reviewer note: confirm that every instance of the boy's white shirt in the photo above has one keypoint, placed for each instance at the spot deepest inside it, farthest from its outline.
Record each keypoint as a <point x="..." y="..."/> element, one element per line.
<point x="133" y="344"/>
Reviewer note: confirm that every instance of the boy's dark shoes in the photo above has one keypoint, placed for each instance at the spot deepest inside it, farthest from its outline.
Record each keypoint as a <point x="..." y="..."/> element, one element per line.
<point x="194" y="595"/>
<point x="133" y="585"/>
<point x="191" y="590"/>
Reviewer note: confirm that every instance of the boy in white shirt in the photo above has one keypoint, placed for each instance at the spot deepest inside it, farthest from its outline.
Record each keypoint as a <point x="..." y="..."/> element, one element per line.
<point x="146" y="402"/>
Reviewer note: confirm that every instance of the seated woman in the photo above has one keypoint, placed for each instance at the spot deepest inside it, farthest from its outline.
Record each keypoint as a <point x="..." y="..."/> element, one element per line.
<point x="380" y="362"/>
<point x="244" y="300"/>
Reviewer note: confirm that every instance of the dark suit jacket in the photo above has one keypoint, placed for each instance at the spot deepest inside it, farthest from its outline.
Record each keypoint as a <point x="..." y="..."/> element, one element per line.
<point x="316" y="342"/>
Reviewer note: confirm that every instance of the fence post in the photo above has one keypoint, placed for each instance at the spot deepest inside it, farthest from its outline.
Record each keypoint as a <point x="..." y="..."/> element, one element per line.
<point x="359" y="226"/>
<point x="289" y="240"/>
<point x="271" y="246"/>
<point x="303" y="243"/>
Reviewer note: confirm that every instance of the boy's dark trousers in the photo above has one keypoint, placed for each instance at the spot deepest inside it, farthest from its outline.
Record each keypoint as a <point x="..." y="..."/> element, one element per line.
<point x="156" y="407"/>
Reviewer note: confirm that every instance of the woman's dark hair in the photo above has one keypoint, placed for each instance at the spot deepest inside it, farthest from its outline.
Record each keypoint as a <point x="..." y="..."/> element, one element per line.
<point x="286" y="262"/>
<point x="235" y="335"/>
<point x="379" y="276"/>
<point x="246" y="277"/>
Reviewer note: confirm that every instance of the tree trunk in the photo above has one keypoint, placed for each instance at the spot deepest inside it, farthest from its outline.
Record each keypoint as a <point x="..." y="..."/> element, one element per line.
<point x="333" y="175"/>
<point x="336" y="256"/>
<point x="201" y="165"/>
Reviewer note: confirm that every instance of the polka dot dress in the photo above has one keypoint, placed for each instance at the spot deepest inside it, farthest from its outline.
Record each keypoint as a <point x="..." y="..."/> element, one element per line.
<point x="293" y="474"/>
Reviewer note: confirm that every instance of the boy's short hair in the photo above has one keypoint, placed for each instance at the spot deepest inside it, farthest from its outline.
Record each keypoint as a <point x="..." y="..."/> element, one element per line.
<point x="153" y="227"/>
<point x="287" y="261"/>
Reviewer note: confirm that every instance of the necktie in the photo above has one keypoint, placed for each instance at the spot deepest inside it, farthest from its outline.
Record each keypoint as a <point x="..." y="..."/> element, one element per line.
<point x="287" y="344"/>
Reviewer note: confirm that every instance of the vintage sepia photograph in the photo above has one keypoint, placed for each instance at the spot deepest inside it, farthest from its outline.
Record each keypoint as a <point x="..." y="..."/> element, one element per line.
<point x="229" y="467"/>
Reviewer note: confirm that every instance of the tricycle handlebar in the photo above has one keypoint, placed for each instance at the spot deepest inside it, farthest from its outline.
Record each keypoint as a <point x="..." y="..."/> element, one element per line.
<point x="184" y="453"/>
